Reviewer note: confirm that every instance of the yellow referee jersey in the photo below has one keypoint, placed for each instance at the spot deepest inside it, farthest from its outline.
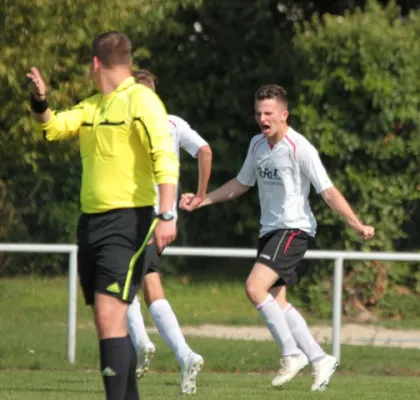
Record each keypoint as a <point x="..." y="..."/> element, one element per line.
<point x="125" y="146"/>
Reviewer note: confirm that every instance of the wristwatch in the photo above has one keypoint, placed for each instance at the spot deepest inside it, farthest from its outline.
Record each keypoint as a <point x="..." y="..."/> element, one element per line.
<point x="166" y="216"/>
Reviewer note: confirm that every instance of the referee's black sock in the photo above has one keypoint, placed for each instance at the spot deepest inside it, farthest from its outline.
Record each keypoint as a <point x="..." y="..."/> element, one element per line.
<point x="115" y="364"/>
<point x="132" y="392"/>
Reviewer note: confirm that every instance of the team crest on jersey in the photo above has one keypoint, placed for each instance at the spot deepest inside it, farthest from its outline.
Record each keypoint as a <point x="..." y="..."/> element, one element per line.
<point x="269" y="175"/>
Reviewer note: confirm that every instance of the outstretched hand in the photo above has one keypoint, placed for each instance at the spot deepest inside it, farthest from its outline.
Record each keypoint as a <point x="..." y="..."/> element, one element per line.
<point x="190" y="201"/>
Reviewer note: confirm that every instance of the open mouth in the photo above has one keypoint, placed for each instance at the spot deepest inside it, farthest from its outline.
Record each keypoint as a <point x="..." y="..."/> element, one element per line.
<point x="265" y="129"/>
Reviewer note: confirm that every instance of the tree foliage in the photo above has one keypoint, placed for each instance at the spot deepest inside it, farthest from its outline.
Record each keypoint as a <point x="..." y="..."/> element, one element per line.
<point x="40" y="181"/>
<point x="357" y="79"/>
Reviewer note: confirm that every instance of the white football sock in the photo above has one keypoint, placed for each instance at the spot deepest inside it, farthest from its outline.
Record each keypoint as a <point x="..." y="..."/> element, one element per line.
<point x="135" y="325"/>
<point x="276" y="322"/>
<point x="167" y="325"/>
<point x="302" y="335"/>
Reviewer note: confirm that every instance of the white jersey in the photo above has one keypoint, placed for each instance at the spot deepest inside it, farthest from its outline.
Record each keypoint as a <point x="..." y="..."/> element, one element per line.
<point x="284" y="174"/>
<point x="183" y="136"/>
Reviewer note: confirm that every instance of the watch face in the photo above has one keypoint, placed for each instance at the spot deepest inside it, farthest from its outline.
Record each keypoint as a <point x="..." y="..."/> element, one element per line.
<point x="167" y="216"/>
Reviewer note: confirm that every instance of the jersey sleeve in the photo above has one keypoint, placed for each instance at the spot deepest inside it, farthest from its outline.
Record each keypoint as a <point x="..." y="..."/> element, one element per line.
<point x="155" y="136"/>
<point x="247" y="174"/>
<point x="189" y="139"/>
<point x="62" y="124"/>
<point x="312" y="167"/>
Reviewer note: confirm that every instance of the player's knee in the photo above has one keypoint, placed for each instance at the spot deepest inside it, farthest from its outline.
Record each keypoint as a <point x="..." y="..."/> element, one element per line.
<point x="110" y="318"/>
<point x="104" y="317"/>
<point x="252" y="291"/>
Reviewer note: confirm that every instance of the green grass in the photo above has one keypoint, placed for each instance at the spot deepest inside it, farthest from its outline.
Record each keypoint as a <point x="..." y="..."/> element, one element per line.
<point x="44" y="348"/>
<point x="33" y="361"/>
<point x="42" y="385"/>
<point x="195" y="302"/>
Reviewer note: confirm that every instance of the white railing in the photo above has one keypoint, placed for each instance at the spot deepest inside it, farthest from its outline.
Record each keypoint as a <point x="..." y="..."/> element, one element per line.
<point x="337" y="256"/>
<point x="71" y="250"/>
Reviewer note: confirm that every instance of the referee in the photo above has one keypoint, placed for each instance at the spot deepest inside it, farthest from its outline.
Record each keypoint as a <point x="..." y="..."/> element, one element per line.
<point x="126" y="148"/>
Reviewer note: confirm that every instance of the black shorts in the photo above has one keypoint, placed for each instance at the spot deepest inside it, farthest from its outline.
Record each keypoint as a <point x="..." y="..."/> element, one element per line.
<point x="108" y="254"/>
<point x="152" y="259"/>
<point x="282" y="250"/>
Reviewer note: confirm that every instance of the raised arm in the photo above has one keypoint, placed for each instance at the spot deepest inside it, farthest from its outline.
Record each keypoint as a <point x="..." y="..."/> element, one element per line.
<point x="204" y="157"/>
<point x="54" y="126"/>
<point x="40" y="111"/>
<point x="197" y="147"/>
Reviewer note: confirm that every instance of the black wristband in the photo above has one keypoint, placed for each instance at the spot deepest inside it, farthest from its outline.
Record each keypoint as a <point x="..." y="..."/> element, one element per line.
<point x="38" y="106"/>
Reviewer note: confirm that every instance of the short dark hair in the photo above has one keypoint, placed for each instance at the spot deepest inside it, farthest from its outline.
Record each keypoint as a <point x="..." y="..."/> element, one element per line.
<point x="112" y="48"/>
<point x="144" y="75"/>
<point x="272" y="92"/>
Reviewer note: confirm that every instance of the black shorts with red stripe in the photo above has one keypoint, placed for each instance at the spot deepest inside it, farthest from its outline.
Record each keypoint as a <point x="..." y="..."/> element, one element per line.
<point x="283" y="250"/>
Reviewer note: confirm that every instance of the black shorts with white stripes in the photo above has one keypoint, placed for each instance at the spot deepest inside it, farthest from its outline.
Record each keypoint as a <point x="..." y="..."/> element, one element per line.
<point x="282" y="250"/>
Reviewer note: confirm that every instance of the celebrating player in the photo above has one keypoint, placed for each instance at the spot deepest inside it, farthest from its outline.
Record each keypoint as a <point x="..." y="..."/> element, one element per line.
<point x="284" y="164"/>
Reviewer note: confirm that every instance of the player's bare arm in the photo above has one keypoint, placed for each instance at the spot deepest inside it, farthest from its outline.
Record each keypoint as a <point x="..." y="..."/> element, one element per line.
<point x="333" y="197"/>
<point x="229" y="191"/>
<point x="204" y="158"/>
<point x="39" y="93"/>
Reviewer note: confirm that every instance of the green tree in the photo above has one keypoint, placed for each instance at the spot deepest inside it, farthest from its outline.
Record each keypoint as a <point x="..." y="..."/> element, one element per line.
<point x="39" y="182"/>
<point x="357" y="77"/>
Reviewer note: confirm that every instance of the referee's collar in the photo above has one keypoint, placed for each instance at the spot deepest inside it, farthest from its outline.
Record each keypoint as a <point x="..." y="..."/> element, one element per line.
<point x="125" y="84"/>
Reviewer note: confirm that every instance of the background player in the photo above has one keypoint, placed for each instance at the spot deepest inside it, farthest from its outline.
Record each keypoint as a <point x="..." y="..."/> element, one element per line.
<point x="163" y="316"/>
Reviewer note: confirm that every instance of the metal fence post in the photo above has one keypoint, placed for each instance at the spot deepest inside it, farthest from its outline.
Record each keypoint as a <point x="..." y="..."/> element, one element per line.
<point x="337" y="306"/>
<point x="72" y="307"/>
